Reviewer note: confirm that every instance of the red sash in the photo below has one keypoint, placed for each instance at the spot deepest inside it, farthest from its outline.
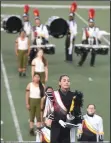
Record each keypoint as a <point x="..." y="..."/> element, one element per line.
<point x="58" y="104"/>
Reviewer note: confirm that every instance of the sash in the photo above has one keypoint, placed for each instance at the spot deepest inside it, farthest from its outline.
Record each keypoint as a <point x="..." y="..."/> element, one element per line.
<point x="46" y="134"/>
<point x="58" y="103"/>
<point x="89" y="126"/>
<point x="48" y="107"/>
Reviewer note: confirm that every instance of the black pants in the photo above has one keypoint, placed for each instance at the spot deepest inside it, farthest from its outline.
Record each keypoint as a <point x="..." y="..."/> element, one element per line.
<point x="84" y="56"/>
<point x="59" y="134"/>
<point x="68" y="57"/>
<point x="85" y="138"/>
<point x="32" y="55"/>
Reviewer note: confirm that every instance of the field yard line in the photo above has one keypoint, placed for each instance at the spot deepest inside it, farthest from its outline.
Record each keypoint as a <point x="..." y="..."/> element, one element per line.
<point x="81" y="18"/>
<point x="54" y="6"/>
<point x="9" y="95"/>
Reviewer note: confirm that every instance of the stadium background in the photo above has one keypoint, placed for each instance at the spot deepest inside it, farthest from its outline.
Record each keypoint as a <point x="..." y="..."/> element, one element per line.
<point x="96" y="91"/>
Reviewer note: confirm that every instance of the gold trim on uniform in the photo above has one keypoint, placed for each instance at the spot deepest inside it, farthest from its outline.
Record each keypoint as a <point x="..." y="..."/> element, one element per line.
<point x="90" y="127"/>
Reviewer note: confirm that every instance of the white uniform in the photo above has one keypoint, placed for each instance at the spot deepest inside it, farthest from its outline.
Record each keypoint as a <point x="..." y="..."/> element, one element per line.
<point x="27" y="27"/>
<point x="73" y="31"/>
<point x="41" y="31"/>
<point x="92" y="124"/>
<point x="73" y="27"/>
<point x="92" y="32"/>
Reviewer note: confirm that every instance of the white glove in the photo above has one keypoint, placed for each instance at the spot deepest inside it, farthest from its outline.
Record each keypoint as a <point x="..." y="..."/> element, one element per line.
<point x="62" y="123"/>
<point x="79" y="136"/>
<point x="101" y="137"/>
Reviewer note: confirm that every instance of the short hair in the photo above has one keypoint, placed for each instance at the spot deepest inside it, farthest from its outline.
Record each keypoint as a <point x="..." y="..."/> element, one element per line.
<point x="91" y="104"/>
<point x="60" y="78"/>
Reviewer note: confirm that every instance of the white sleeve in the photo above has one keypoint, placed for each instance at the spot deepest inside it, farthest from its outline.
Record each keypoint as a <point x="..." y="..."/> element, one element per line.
<point x="100" y="126"/>
<point x="32" y="35"/>
<point x="84" y="35"/>
<point x="29" y="29"/>
<point x="46" y="32"/>
<point x="74" y="29"/>
<point x="98" y="33"/>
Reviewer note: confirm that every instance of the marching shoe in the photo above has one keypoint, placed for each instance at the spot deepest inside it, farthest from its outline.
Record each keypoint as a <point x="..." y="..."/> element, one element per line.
<point x="24" y="74"/>
<point x="32" y="132"/>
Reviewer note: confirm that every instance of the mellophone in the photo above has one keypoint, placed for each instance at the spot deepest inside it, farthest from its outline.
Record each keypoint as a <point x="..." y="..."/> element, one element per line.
<point x="48" y="48"/>
<point x="98" y="49"/>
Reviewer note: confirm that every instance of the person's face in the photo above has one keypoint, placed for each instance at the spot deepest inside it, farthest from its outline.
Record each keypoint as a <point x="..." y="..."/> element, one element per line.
<point x="71" y="18"/>
<point x="91" y="24"/>
<point x="22" y="34"/>
<point x="25" y="18"/>
<point x="64" y="83"/>
<point x="49" y="90"/>
<point x="91" y="110"/>
<point x="40" y="53"/>
<point x="36" y="78"/>
<point x="37" y="21"/>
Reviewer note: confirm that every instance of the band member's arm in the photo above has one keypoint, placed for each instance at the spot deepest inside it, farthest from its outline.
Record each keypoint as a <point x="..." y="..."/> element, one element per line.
<point x="32" y="35"/>
<point x="100" y="129"/>
<point x="98" y="35"/>
<point x="33" y="68"/>
<point x="27" y="96"/>
<point x="84" y="35"/>
<point x="42" y="107"/>
<point x="16" y="47"/>
<point x="29" y="29"/>
<point x="43" y="103"/>
<point x="46" y="72"/>
<point x="46" y="33"/>
<point x="28" y="46"/>
<point x="74" y="30"/>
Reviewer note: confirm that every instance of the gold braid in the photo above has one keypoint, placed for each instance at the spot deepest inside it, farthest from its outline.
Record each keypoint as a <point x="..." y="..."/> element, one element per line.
<point x="72" y="104"/>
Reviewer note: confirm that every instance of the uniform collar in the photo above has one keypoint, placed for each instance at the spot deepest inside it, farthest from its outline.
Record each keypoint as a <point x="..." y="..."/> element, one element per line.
<point x="64" y="92"/>
<point x="90" y="115"/>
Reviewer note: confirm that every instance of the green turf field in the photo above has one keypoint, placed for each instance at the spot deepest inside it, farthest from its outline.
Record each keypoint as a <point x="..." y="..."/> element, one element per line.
<point x="96" y="92"/>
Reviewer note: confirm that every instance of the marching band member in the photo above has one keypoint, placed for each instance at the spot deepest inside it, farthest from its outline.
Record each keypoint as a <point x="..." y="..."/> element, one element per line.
<point x="40" y="33"/>
<point x="34" y="94"/>
<point x="56" y="103"/>
<point x="90" y="36"/>
<point x="26" y="24"/>
<point x="48" y="106"/>
<point x="70" y="39"/>
<point x="62" y="103"/>
<point x="40" y="66"/>
<point x="47" y="113"/>
<point x="22" y="50"/>
<point x="92" y="126"/>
